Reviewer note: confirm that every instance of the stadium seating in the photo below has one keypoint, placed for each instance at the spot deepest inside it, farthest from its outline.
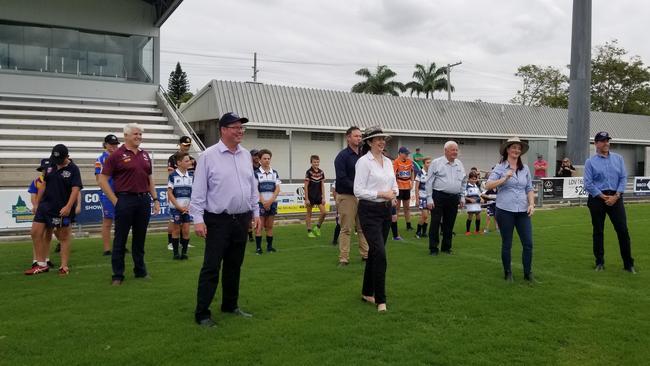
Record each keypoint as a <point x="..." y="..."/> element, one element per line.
<point x="31" y="124"/>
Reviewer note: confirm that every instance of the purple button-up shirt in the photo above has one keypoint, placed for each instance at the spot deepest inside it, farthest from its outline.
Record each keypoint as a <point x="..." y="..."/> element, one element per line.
<point x="224" y="183"/>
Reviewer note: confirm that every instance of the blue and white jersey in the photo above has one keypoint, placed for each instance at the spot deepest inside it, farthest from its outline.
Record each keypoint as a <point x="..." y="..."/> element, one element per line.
<point x="266" y="182"/>
<point x="181" y="186"/>
<point x="99" y="164"/>
<point x="422" y="178"/>
<point x="474" y="192"/>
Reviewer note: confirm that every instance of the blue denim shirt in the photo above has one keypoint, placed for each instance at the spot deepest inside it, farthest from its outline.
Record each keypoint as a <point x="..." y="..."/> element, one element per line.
<point x="513" y="194"/>
<point x="605" y="173"/>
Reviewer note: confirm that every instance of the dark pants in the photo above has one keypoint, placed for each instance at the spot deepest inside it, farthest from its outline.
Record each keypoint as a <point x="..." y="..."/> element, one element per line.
<point x="616" y="213"/>
<point x="375" y="220"/>
<point x="508" y="221"/>
<point x="132" y="212"/>
<point x="225" y="242"/>
<point x="445" y="209"/>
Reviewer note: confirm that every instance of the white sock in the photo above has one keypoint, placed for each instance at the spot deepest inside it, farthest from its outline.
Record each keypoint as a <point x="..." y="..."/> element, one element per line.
<point x="42" y="264"/>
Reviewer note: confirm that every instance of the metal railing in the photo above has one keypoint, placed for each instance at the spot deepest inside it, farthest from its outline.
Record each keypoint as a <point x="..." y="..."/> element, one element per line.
<point x="169" y="104"/>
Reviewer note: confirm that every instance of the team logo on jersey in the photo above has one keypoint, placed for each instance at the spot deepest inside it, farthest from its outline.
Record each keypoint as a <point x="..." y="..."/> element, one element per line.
<point x="66" y="174"/>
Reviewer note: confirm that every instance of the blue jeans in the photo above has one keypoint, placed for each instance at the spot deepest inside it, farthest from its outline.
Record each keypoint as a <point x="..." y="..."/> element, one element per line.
<point x="508" y="221"/>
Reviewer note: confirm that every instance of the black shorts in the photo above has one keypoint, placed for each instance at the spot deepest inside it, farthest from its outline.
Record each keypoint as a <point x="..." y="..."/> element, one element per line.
<point x="53" y="221"/>
<point x="316" y="199"/>
<point x="404" y="194"/>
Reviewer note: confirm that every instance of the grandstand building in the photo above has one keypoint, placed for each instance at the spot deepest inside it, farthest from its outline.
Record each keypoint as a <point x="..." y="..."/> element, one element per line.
<point x="297" y="122"/>
<point x="72" y="71"/>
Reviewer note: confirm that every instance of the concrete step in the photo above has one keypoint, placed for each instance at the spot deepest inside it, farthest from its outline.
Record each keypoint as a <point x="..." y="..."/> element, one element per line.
<point x="125" y="118"/>
<point x="10" y="104"/>
<point x="30" y="123"/>
<point x="97" y="101"/>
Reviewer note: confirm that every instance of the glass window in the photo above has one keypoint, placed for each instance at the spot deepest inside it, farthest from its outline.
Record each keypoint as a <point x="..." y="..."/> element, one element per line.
<point x="76" y="52"/>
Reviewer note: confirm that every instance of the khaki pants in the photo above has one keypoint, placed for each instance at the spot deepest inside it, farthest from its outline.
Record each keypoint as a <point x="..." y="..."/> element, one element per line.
<point x="347" y="207"/>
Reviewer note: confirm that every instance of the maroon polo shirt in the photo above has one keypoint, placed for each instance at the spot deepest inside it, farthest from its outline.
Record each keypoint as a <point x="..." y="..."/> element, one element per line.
<point x="130" y="171"/>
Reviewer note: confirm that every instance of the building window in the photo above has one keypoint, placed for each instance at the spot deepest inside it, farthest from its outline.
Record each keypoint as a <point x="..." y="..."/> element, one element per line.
<point x="322" y="136"/>
<point x="272" y="134"/>
<point x="75" y="53"/>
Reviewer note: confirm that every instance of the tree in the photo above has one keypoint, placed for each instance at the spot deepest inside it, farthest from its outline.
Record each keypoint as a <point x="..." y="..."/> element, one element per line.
<point x="428" y="80"/>
<point x="379" y="82"/>
<point x="618" y="85"/>
<point x="546" y="86"/>
<point x="178" y="84"/>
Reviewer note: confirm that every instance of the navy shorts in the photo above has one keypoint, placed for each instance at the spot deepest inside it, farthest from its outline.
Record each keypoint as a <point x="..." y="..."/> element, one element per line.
<point x="271" y="212"/>
<point x="491" y="209"/>
<point x="179" y="218"/>
<point x="53" y="221"/>
<point x="422" y="204"/>
<point x="108" y="210"/>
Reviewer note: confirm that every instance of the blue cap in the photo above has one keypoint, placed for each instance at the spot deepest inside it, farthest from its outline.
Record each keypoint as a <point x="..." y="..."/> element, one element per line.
<point x="230" y="118"/>
<point x="404" y="150"/>
<point x="602" y="136"/>
<point x="44" y="164"/>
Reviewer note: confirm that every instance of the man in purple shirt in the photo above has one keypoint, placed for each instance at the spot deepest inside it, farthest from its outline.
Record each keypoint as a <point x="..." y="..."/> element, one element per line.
<point x="224" y="200"/>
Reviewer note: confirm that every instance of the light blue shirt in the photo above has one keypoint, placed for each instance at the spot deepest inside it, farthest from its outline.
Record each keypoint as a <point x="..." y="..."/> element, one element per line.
<point x="605" y="173"/>
<point x="513" y="194"/>
<point x="224" y="183"/>
<point x="446" y="176"/>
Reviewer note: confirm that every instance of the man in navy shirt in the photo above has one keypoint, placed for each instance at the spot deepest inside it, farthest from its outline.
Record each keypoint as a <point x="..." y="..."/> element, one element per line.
<point x="605" y="177"/>
<point x="55" y="207"/>
<point x="346" y="202"/>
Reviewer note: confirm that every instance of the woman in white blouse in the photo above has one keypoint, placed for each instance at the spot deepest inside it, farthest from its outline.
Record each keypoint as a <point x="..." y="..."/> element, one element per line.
<point x="376" y="188"/>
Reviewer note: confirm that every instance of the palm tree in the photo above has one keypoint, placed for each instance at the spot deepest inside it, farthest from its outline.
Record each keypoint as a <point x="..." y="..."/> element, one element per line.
<point x="429" y="79"/>
<point x="378" y="83"/>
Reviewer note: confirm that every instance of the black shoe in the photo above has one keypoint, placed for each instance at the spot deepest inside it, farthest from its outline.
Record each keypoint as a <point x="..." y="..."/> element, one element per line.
<point x="183" y="256"/>
<point x="240" y="312"/>
<point x="107" y="253"/>
<point x="508" y="276"/>
<point x="599" y="267"/>
<point x="206" y="323"/>
<point x="50" y="264"/>
<point x="271" y="250"/>
<point x="433" y="253"/>
<point x="177" y="257"/>
<point x="57" y="249"/>
<point x="631" y="269"/>
<point x="530" y="278"/>
<point x="258" y="251"/>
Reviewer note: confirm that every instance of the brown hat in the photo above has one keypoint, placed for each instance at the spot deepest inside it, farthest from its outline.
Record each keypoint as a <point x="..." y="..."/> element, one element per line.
<point x="512" y="141"/>
<point x="374" y="131"/>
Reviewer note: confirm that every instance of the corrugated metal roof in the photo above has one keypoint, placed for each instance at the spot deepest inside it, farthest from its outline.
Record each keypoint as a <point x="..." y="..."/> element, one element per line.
<point x="275" y="106"/>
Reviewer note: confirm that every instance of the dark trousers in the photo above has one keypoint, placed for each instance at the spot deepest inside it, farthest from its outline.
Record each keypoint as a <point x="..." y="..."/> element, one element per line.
<point x="132" y="212"/>
<point x="616" y="213"/>
<point x="445" y="209"/>
<point x="375" y="220"/>
<point x="225" y="243"/>
<point x="508" y="221"/>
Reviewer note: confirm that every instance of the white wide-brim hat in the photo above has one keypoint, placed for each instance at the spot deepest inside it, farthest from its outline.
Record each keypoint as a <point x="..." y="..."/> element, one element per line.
<point x="512" y="141"/>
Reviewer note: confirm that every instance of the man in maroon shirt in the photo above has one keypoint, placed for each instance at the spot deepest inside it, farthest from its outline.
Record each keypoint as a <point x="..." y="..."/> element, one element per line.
<point x="130" y="168"/>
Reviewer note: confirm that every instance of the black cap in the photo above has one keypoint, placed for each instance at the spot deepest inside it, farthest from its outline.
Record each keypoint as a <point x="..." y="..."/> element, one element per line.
<point x="185" y="140"/>
<point x="254" y="152"/>
<point x="44" y="164"/>
<point x="59" y="153"/>
<point x="602" y="136"/>
<point x="230" y="118"/>
<point x="111" y="140"/>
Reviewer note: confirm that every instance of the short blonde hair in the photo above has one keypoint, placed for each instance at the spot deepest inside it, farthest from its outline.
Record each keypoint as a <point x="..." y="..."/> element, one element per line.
<point x="128" y="129"/>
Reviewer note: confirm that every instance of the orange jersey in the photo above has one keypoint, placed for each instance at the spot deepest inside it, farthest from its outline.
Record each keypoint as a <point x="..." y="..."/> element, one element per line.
<point x="403" y="173"/>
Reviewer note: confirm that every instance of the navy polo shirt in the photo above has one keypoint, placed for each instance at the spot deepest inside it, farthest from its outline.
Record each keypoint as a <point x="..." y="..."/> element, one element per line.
<point x="58" y="188"/>
<point x="344" y="164"/>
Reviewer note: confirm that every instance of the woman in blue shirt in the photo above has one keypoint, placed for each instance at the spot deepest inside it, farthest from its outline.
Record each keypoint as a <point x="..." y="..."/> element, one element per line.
<point x="515" y="204"/>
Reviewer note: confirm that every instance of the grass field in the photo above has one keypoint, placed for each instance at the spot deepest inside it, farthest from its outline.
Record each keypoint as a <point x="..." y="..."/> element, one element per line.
<point x="445" y="310"/>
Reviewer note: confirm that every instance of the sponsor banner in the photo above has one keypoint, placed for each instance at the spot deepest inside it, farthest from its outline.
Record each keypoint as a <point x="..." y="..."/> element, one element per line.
<point x="292" y="199"/>
<point x="641" y="186"/>
<point x="552" y="187"/>
<point x="574" y="187"/>
<point x="91" y="207"/>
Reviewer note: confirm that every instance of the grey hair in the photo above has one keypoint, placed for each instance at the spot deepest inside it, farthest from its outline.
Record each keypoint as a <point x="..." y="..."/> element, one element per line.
<point x="450" y="143"/>
<point x="128" y="129"/>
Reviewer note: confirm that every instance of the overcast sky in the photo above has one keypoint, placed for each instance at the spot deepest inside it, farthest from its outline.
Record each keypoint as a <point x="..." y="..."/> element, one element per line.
<point x="320" y="44"/>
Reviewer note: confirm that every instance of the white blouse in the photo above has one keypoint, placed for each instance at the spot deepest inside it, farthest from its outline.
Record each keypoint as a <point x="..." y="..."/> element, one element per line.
<point x="370" y="178"/>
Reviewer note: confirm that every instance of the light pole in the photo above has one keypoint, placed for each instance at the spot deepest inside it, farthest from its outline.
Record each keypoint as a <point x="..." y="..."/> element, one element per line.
<point x="449" y="66"/>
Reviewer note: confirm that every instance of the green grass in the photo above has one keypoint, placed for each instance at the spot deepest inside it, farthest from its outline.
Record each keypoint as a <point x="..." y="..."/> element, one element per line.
<point x="446" y="310"/>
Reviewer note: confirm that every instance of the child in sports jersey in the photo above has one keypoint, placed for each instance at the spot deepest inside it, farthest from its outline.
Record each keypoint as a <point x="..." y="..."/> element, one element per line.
<point x="179" y="192"/>
<point x="405" y="174"/>
<point x="473" y="203"/>
<point x="490" y="204"/>
<point x="314" y="195"/>
<point x="421" y="198"/>
<point x="269" y="189"/>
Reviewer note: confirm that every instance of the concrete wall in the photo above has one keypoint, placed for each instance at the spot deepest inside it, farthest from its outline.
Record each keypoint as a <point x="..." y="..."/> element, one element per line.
<point x="75" y="87"/>
<point x="117" y="16"/>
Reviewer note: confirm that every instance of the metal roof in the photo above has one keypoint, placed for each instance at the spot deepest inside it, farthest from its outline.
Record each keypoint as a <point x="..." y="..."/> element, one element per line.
<point x="272" y="106"/>
<point x="163" y="8"/>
